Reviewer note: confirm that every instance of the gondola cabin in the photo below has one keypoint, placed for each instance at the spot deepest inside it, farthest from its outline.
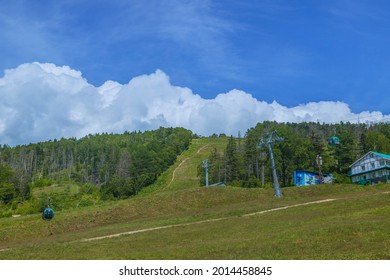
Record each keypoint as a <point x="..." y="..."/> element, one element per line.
<point x="48" y="214"/>
<point x="334" y="140"/>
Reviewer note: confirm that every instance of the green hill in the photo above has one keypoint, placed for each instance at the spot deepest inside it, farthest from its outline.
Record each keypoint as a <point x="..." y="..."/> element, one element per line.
<point x="87" y="171"/>
<point x="175" y="218"/>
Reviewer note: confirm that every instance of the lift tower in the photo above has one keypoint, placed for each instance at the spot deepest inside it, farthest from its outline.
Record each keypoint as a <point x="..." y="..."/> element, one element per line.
<point x="267" y="141"/>
<point x="205" y="164"/>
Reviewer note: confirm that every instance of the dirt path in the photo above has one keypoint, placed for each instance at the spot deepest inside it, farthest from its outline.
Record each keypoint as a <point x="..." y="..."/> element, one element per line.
<point x="290" y="206"/>
<point x="182" y="162"/>
<point x="201" y="148"/>
<point x="201" y="222"/>
<point x="174" y="171"/>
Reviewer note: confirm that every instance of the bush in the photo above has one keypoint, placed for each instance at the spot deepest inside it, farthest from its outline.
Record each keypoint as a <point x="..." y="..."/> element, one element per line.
<point x="342" y="179"/>
<point x="253" y="182"/>
<point x="87" y="200"/>
<point x="89" y="188"/>
<point x="6" y="213"/>
<point x="41" y="183"/>
<point x="15" y="203"/>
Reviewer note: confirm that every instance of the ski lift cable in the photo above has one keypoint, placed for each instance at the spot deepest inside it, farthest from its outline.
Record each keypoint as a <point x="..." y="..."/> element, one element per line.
<point x="358" y="117"/>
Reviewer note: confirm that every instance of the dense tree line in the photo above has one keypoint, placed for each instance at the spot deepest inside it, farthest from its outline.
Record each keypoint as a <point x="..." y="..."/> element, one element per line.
<point x="118" y="164"/>
<point x="242" y="163"/>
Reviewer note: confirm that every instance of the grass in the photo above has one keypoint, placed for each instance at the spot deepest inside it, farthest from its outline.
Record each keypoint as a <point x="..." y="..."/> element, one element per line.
<point x="184" y="174"/>
<point x="210" y="223"/>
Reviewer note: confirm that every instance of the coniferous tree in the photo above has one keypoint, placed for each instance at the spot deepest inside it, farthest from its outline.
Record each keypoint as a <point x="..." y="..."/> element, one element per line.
<point x="303" y="143"/>
<point x="7" y="191"/>
<point x="232" y="161"/>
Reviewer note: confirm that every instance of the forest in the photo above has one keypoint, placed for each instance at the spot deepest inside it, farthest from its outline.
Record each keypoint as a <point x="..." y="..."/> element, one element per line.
<point x="100" y="167"/>
<point x="110" y="165"/>
<point x="243" y="164"/>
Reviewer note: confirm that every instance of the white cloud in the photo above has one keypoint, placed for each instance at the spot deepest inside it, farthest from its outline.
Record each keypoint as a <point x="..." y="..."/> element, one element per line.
<point x="39" y="102"/>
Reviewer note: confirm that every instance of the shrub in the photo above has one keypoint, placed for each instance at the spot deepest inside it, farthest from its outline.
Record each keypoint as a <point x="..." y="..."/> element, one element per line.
<point x="87" y="200"/>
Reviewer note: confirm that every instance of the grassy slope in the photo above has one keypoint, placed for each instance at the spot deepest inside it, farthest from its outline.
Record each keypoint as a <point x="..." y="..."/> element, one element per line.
<point x="355" y="226"/>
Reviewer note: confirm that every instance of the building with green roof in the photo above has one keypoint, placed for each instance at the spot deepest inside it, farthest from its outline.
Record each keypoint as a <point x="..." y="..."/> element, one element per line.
<point x="371" y="168"/>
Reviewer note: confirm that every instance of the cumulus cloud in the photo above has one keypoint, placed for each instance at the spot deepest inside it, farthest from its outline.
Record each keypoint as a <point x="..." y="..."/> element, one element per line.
<point x="41" y="101"/>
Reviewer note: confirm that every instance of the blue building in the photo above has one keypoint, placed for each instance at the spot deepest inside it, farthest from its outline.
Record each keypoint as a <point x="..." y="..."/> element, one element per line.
<point x="306" y="178"/>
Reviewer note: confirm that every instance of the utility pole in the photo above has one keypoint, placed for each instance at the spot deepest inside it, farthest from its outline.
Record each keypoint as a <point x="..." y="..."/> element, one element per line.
<point x="267" y="142"/>
<point x="319" y="164"/>
<point x="206" y="167"/>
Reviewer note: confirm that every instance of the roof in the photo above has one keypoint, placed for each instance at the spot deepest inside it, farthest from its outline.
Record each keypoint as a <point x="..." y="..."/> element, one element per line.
<point x="371" y="152"/>
<point x="382" y="155"/>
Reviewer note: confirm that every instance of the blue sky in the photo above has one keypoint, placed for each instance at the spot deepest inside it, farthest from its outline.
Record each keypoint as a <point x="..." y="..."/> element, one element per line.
<point x="291" y="52"/>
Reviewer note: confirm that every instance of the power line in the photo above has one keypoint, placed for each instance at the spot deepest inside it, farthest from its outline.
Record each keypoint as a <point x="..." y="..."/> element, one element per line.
<point x="359" y="117"/>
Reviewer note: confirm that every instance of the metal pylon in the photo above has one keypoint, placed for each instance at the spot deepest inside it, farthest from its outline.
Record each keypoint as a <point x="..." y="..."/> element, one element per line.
<point x="267" y="142"/>
<point x="206" y="167"/>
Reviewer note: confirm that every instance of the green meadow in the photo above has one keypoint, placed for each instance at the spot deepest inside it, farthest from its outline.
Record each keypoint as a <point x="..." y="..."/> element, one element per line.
<point x="177" y="219"/>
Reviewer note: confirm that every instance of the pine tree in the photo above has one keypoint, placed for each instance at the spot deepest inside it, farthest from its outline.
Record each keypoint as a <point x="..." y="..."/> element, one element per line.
<point x="232" y="161"/>
<point x="7" y="191"/>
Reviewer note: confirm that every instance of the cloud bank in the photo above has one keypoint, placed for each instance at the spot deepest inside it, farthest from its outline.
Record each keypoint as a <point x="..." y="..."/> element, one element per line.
<point x="42" y="101"/>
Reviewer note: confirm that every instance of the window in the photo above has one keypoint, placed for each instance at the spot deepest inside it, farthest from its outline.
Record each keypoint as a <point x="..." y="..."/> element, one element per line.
<point x="357" y="179"/>
<point x="372" y="165"/>
<point x="363" y="167"/>
<point x="382" y="162"/>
